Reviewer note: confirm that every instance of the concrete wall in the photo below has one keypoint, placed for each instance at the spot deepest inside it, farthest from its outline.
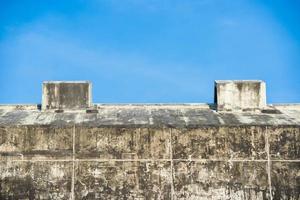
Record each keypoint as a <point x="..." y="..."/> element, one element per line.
<point x="83" y="162"/>
<point x="66" y="95"/>
<point x="73" y="149"/>
<point x="240" y="95"/>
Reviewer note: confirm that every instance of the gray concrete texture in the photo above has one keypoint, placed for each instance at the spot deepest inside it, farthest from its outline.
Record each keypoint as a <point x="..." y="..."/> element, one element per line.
<point x="240" y="95"/>
<point x="66" y="95"/>
<point x="79" y="162"/>
<point x="140" y="151"/>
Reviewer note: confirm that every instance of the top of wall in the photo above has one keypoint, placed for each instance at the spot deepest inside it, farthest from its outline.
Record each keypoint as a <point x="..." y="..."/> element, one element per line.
<point x="150" y="115"/>
<point x="68" y="103"/>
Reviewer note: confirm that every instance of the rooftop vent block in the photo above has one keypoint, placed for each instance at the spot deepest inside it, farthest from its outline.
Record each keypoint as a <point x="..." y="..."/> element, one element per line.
<point x="240" y="95"/>
<point x="68" y="95"/>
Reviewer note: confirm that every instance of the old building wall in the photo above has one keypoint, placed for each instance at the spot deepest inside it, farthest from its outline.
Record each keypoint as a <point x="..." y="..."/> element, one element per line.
<point x="142" y="162"/>
<point x="238" y="148"/>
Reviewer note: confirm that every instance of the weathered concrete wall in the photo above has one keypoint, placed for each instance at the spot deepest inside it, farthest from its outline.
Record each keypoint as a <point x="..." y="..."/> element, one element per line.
<point x="66" y="95"/>
<point x="240" y="95"/>
<point x="71" y="149"/>
<point x="108" y="162"/>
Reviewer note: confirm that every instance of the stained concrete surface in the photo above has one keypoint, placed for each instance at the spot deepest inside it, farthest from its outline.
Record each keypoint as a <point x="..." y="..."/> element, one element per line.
<point x="239" y="95"/>
<point x="221" y="180"/>
<point x="143" y="153"/>
<point x="148" y="116"/>
<point x="66" y="95"/>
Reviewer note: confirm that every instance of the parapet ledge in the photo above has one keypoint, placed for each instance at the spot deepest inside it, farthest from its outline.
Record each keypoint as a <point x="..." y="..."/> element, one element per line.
<point x="20" y="106"/>
<point x="270" y="108"/>
<point x="287" y="106"/>
<point x="153" y="105"/>
<point x="230" y="96"/>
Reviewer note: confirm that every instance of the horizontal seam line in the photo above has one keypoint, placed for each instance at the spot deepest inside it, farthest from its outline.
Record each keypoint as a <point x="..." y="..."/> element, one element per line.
<point x="145" y="160"/>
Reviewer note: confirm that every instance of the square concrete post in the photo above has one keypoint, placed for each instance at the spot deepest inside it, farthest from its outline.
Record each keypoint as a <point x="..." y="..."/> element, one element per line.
<point x="66" y="95"/>
<point x="233" y="95"/>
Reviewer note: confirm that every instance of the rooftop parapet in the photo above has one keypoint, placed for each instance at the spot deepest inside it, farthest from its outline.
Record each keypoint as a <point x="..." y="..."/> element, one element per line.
<point x="231" y="95"/>
<point x="69" y="95"/>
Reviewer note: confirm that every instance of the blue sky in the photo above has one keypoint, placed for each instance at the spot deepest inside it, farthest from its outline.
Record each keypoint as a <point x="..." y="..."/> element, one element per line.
<point x="149" y="50"/>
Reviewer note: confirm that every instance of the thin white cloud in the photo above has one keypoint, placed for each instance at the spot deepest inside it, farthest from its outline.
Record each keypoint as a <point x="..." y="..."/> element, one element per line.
<point x="39" y="50"/>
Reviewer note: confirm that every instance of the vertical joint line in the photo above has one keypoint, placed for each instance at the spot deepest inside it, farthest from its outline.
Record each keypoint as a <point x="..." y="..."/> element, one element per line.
<point x="73" y="164"/>
<point x="172" y="168"/>
<point x="269" y="163"/>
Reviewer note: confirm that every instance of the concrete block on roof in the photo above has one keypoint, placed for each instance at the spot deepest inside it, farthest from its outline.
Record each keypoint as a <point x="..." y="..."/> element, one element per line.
<point x="70" y="95"/>
<point x="233" y="95"/>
